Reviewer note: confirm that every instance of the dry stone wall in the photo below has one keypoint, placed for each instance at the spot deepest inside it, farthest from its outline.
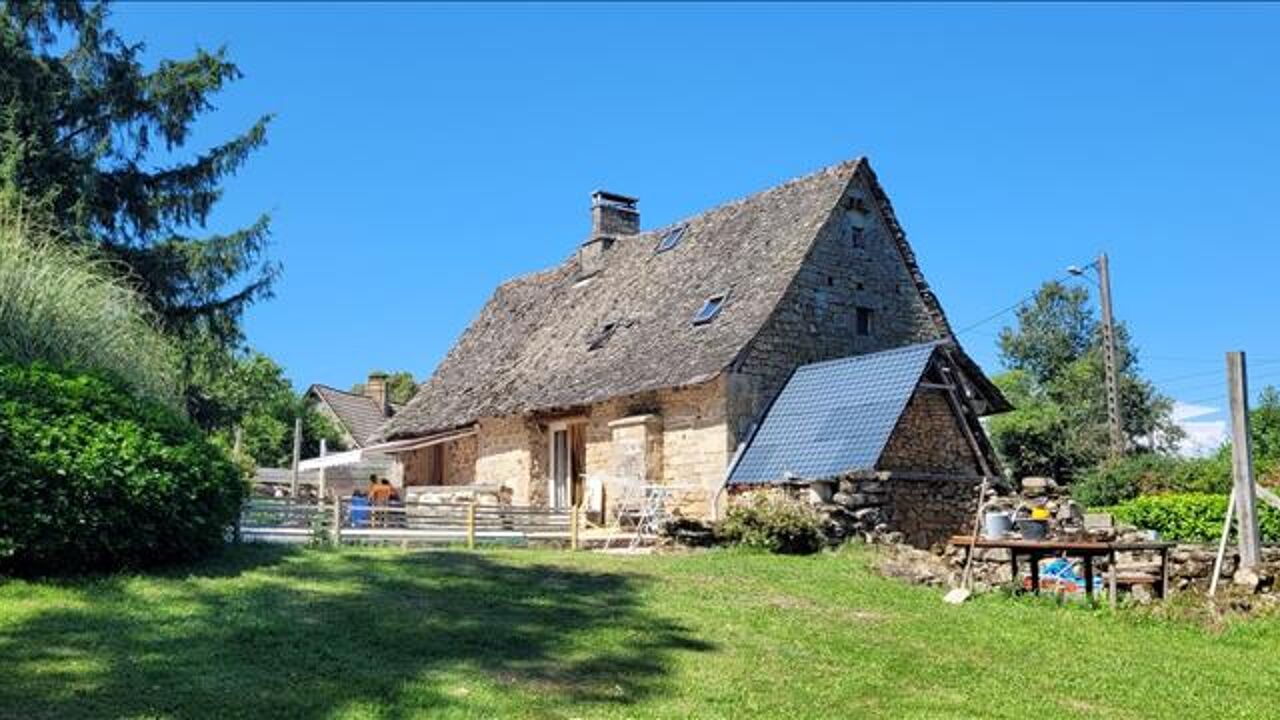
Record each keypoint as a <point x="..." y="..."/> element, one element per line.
<point x="884" y="507"/>
<point x="929" y="439"/>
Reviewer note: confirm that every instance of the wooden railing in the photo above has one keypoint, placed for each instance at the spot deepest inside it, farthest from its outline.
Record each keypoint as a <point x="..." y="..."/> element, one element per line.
<point x="339" y="521"/>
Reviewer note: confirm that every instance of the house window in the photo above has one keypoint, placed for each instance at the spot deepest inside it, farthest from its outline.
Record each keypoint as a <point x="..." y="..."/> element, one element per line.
<point x="709" y="310"/>
<point x="864" y="321"/>
<point x="602" y="337"/>
<point x="671" y="239"/>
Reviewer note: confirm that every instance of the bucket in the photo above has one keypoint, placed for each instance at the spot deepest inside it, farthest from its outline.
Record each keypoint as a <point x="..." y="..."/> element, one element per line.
<point x="1033" y="529"/>
<point x="996" y="524"/>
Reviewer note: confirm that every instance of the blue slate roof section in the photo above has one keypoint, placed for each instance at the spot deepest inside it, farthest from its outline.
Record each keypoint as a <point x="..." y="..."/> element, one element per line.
<point x="833" y="417"/>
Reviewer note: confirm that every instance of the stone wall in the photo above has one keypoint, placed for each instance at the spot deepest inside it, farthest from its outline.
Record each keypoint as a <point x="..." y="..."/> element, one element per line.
<point x="676" y="437"/>
<point x="459" y="458"/>
<point x="1190" y="569"/>
<point x="854" y="263"/>
<point x="504" y="457"/>
<point x="929" y="439"/>
<point x="898" y="508"/>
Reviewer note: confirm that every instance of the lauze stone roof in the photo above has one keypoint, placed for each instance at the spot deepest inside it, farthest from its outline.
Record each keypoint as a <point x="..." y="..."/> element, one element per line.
<point x="529" y="349"/>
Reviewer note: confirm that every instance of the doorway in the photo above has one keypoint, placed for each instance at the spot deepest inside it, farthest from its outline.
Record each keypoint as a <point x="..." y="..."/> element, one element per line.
<point x="567" y="465"/>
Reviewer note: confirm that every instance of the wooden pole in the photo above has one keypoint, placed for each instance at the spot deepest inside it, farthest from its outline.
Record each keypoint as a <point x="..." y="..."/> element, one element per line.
<point x="297" y="457"/>
<point x="573" y="528"/>
<point x="238" y="446"/>
<point x="1114" y="420"/>
<point x="337" y="521"/>
<point x="1222" y="544"/>
<point x="324" y="450"/>
<point x="1241" y="461"/>
<point x="471" y="526"/>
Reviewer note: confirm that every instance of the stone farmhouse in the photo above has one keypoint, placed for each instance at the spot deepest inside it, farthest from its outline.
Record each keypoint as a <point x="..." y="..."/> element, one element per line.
<point x="651" y="356"/>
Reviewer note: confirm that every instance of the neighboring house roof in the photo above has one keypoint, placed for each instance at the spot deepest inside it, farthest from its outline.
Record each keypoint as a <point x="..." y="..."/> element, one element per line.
<point x="833" y="417"/>
<point x="358" y="414"/>
<point x="529" y="347"/>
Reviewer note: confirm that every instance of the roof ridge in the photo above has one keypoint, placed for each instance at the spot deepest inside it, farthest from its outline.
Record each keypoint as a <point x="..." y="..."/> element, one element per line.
<point x="340" y="390"/>
<point x="853" y="163"/>
<point x="828" y="169"/>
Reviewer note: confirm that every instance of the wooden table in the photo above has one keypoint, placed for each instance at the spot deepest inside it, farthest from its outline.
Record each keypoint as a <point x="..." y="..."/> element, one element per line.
<point x="1087" y="550"/>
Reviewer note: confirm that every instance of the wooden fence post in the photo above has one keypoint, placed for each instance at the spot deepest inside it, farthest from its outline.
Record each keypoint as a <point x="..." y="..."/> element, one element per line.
<point x="337" y="520"/>
<point x="1242" y="462"/>
<point x="573" y="527"/>
<point x="471" y="526"/>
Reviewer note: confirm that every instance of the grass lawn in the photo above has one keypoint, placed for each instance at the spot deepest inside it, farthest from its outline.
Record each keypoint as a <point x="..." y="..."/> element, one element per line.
<point x="265" y="632"/>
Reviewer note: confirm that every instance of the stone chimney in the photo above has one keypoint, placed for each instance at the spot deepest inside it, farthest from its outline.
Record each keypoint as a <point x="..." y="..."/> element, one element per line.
<point x="376" y="390"/>
<point x="613" y="216"/>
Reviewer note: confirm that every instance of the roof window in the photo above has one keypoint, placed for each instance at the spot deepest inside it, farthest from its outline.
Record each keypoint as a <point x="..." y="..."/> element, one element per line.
<point x="670" y="239"/>
<point x="602" y="337"/>
<point x="709" y="310"/>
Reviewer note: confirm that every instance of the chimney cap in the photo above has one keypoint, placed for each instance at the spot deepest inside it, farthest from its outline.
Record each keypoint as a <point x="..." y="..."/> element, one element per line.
<point x="604" y="197"/>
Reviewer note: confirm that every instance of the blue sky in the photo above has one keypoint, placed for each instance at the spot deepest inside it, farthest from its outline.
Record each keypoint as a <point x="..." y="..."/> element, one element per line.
<point x="423" y="153"/>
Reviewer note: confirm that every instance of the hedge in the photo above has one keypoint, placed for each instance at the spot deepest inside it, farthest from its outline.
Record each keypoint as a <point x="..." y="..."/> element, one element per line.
<point x="94" y="478"/>
<point x="1190" y="517"/>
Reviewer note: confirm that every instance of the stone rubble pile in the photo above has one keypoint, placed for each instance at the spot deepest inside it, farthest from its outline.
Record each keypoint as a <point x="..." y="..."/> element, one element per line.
<point x="858" y="509"/>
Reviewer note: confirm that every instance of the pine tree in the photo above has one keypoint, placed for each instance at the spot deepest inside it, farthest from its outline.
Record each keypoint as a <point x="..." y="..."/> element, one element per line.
<point x="82" y="122"/>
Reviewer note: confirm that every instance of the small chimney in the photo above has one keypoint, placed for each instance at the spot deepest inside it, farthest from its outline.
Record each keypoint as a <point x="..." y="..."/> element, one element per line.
<point x="376" y="390"/>
<point x="612" y="216"/>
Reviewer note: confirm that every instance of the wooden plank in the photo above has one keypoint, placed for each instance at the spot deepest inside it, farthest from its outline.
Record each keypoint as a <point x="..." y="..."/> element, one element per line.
<point x="1051" y="545"/>
<point x="1242" y="462"/>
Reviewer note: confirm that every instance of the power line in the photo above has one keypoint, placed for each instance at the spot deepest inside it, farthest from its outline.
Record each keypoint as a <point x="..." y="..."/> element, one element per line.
<point x="1255" y="379"/>
<point x="1014" y="306"/>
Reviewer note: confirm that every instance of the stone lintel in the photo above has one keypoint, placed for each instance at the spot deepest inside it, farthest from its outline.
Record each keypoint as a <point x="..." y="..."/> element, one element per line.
<point x="647" y="419"/>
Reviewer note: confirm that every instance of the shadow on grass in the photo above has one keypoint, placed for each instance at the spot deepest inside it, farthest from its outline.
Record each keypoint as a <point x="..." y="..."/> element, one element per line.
<point x="271" y="632"/>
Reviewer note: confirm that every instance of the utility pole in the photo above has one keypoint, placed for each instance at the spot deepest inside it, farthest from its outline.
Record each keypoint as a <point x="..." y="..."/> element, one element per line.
<point x="1241" y="461"/>
<point x="1114" y="420"/>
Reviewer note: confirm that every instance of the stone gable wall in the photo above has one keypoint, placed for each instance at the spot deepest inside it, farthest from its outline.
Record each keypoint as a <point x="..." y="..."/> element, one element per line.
<point x="929" y="439"/>
<point x="855" y="262"/>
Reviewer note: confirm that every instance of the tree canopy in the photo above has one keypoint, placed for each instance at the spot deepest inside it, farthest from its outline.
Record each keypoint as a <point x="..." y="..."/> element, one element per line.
<point x="248" y="390"/>
<point x="96" y="139"/>
<point x="1056" y="380"/>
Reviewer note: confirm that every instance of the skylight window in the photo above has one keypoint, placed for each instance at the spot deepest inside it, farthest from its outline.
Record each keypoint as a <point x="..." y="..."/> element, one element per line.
<point x="602" y="337"/>
<point x="709" y="310"/>
<point x="671" y="239"/>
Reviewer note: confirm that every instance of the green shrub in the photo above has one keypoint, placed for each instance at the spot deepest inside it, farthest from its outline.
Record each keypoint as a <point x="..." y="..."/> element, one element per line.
<point x="69" y="308"/>
<point x="1189" y="517"/>
<point x="93" y="478"/>
<point x="1116" y="481"/>
<point x="773" y="522"/>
